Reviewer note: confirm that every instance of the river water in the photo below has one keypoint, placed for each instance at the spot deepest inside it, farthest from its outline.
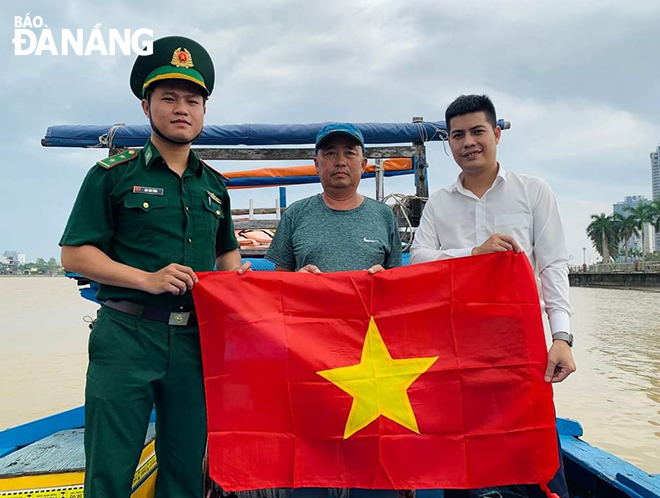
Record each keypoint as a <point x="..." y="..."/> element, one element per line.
<point x="615" y="392"/>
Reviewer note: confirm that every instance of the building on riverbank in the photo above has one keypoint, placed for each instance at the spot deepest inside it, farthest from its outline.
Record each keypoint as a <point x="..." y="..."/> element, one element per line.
<point x="635" y="242"/>
<point x="10" y="261"/>
<point x="655" y="182"/>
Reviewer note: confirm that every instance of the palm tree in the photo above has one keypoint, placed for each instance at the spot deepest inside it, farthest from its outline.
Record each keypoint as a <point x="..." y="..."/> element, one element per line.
<point x="655" y="216"/>
<point x="625" y="227"/>
<point x="603" y="235"/>
<point x="643" y="214"/>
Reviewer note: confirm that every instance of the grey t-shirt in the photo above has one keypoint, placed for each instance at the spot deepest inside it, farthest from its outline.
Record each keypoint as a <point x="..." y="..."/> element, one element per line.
<point x="312" y="233"/>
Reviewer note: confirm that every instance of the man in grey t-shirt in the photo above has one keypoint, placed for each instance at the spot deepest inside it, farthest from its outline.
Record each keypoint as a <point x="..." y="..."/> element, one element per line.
<point x="338" y="230"/>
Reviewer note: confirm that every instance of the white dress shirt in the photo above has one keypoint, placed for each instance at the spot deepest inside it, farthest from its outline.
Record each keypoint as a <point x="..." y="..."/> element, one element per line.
<point x="454" y="221"/>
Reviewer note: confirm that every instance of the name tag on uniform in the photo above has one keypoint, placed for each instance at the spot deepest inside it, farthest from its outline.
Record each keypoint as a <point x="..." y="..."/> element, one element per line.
<point x="148" y="190"/>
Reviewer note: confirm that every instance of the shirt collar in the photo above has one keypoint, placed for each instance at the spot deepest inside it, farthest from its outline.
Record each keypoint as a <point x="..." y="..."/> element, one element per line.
<point x="457" y="186"/>
<point x="195" y="163"/>
<point x="151" y="154"/>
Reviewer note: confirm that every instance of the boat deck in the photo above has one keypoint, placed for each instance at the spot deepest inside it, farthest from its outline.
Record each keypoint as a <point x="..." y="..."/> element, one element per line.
<point x="57" y="453"/>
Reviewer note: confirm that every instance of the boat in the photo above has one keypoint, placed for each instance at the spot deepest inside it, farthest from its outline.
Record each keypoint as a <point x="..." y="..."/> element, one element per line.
<point x="45" y="459"/>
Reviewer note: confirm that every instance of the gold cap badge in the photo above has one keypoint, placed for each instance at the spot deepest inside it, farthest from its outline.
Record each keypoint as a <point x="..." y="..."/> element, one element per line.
<point x="182" y="58"/>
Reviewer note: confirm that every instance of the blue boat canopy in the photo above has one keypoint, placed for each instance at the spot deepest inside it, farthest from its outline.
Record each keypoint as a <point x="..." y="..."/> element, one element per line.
<point x="115" y="136"/>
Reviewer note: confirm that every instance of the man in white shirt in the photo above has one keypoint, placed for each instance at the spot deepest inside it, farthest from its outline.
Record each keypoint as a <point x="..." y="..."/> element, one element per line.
<point x="490" y="210"/>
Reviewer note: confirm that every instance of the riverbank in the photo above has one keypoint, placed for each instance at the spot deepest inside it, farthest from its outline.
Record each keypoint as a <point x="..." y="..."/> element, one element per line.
<point x="650" y="290"/>
<point x="616" y="280"/>
<point x="32" y="275"/>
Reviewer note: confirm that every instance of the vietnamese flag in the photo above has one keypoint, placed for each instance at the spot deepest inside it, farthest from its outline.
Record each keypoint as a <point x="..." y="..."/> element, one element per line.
<point x="427" y="376"/>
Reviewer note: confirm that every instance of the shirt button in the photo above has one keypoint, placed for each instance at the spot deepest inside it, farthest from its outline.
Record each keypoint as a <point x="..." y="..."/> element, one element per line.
<point x="187" y="208"/>
<point x="189" y="241"/>
<point x="145" y="205"/>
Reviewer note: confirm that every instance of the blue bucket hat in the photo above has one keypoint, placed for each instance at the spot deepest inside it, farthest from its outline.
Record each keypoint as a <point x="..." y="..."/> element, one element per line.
<point x="339" y="128"/>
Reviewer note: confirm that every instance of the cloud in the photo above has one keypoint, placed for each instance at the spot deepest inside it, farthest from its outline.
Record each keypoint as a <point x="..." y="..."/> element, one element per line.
<point x="578" y="81"/>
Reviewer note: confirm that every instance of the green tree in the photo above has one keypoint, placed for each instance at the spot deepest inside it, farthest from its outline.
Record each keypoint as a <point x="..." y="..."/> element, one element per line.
<point x="643" y="215"/>
<point x="655" y="216"/>
<point x="603" y="234"/>
<point x="625" y="227"/>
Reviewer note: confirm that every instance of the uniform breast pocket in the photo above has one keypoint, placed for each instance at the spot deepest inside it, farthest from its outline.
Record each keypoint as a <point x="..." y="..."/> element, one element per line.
<point x="517" y="225"/>
<point x="213" y="215"/>
<point x="143" y="213"/>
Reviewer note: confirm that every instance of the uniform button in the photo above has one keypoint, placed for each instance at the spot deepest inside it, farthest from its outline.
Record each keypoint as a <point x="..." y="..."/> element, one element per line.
<point x="217" y="212"/>
<point x="187" y="208"/>
<point x="189" y="241"/>
<point x="145" y="205"/>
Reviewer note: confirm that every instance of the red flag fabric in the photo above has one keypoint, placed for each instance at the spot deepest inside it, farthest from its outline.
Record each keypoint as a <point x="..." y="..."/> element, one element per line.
<point x="427" y="376"/>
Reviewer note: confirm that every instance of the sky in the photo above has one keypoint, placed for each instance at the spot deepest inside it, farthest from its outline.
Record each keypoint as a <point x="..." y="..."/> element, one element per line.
<point x="577" y="80"/>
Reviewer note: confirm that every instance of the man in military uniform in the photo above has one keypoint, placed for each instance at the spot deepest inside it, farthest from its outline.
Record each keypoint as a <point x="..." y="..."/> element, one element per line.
<point x="142" y="225"/>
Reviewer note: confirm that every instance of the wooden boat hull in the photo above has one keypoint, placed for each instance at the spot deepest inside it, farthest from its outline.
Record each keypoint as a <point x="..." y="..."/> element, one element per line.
<point x="45" y="459"/>
<point x="70" y="484"/>
<point x="590" y="471"/>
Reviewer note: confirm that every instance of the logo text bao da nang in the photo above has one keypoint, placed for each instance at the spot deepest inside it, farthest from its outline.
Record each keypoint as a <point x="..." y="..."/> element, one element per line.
<point x="28" y="41"/>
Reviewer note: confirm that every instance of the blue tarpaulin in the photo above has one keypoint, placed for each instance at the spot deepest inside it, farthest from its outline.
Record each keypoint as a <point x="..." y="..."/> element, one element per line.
<point x="244" y="134"/>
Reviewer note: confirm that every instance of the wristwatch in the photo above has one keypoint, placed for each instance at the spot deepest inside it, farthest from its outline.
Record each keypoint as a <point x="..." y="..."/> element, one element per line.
<point x="563" y="336"/>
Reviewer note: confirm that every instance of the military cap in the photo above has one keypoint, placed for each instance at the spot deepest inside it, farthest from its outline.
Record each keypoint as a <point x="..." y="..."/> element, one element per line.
<point x="173" y="57"/>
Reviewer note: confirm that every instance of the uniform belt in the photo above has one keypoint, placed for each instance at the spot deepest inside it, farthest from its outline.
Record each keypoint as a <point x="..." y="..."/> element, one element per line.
<point x="176" y="318"/>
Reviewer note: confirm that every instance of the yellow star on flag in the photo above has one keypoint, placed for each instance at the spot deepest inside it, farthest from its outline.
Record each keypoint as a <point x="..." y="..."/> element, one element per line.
<point x="379" y="384"/>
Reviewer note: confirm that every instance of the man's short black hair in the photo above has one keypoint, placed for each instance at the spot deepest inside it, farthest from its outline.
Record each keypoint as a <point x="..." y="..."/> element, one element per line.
<point x="467" y="104"/>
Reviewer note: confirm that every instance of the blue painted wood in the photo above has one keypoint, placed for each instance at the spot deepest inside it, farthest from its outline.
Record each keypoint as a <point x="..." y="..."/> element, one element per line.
<point x="646" y="485"/>
<point x="568" y="427"/>
<point x="33" y="431"/>
<point x="610" y="469"/>
<point x="16" y="437"/>
<point x="87" y="288"/>
<point x="89" y="293"/>
<point x="7" y="451"/>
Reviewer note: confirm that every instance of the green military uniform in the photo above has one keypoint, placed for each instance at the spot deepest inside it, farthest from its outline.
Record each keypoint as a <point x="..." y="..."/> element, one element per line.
<point x="142" y="214"/>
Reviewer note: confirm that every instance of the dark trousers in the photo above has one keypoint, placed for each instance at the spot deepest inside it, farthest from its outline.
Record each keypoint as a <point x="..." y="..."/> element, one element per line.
<point x="349" y="493"/>
<point x="134" y="365"/>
